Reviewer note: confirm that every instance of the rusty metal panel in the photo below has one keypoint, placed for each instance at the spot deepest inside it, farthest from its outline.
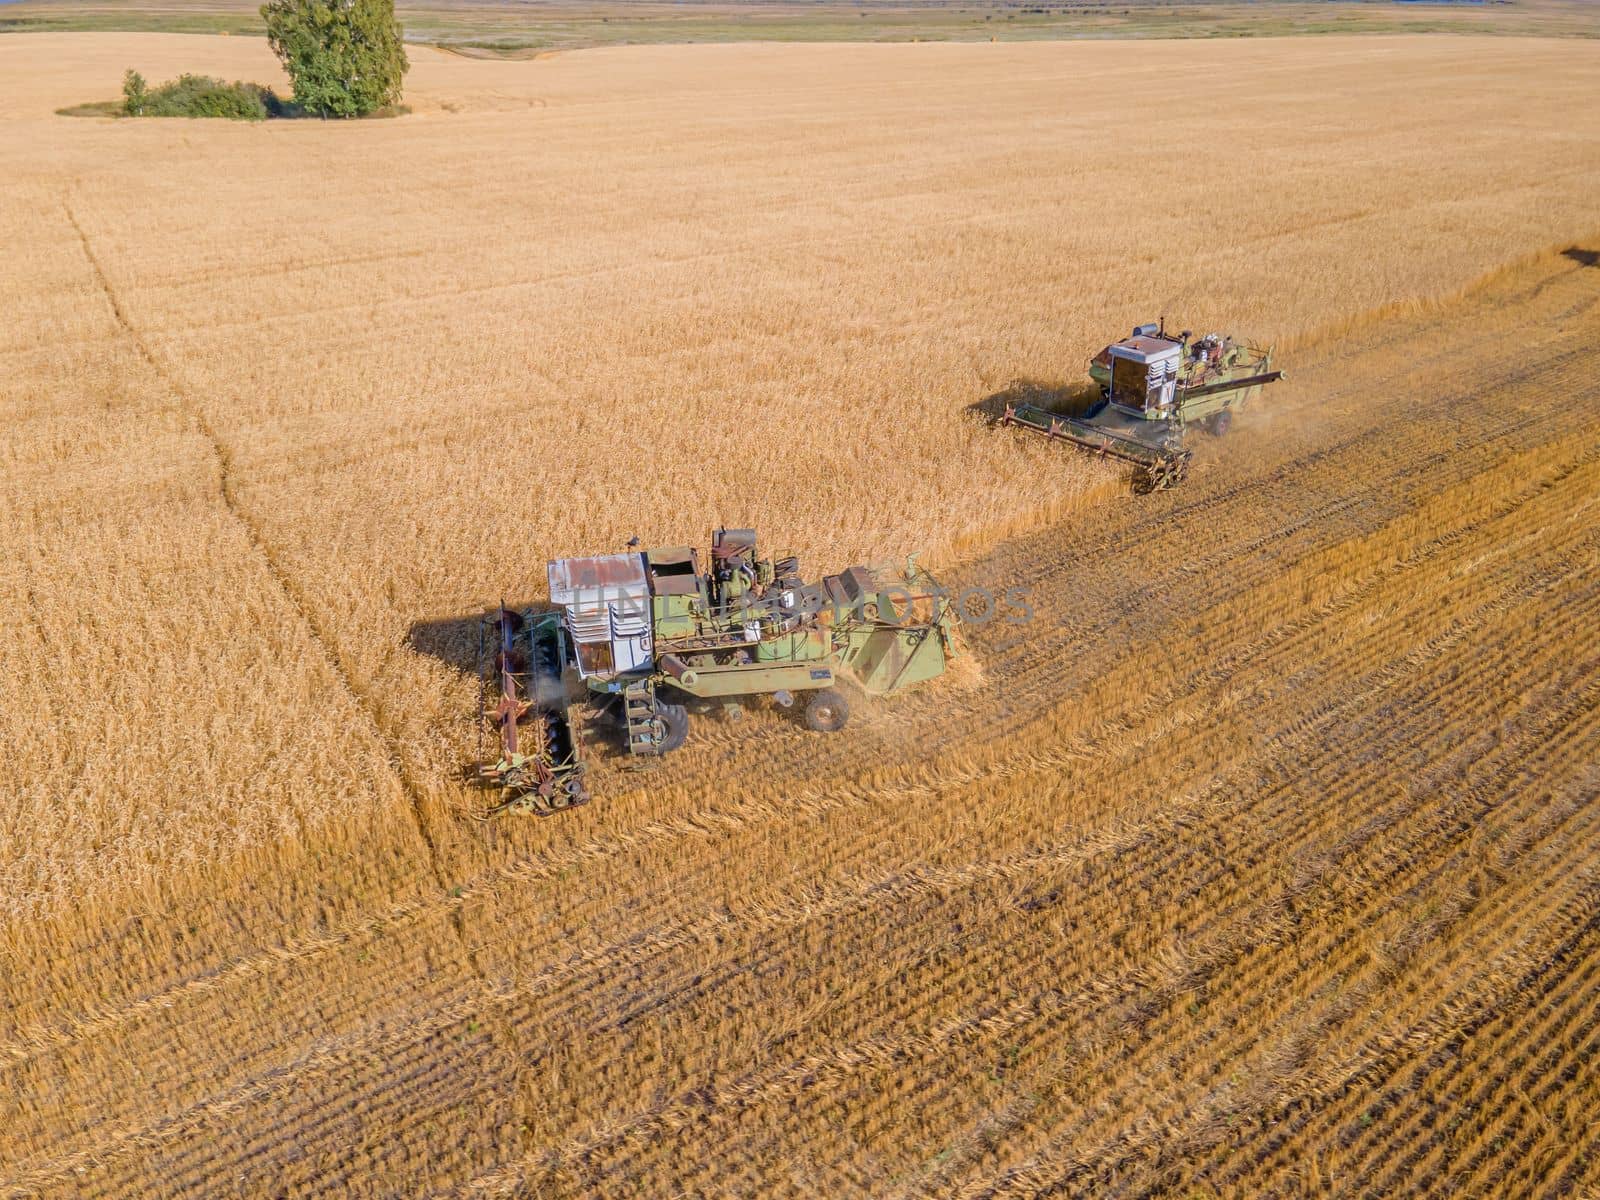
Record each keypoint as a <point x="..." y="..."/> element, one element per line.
<point x="858" y="582"/>
<point x="849" y="588"/>
<point x="671" y="556"/>
<point x="674" y="571"/>
<point x="613" y="575"/>
<point x="730" y="543"/>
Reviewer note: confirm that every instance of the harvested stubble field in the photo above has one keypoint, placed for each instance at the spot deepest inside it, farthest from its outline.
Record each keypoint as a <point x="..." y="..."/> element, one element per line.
<point x="1262" y="860"/>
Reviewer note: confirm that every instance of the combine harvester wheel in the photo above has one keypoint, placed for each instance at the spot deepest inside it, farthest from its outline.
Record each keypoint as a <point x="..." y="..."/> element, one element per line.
<point x="826" y="711"/>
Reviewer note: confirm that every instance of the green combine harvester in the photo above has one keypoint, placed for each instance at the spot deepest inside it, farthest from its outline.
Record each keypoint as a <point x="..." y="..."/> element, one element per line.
<point x="640" y="636"/>
<point x="1152" y="387"/>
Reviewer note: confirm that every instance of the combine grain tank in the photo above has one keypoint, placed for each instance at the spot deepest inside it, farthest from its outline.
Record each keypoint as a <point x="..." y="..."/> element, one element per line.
<point x="1152" y="387"/>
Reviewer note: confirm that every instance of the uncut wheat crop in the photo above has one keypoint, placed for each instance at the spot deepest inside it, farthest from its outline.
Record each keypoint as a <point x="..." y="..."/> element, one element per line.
<point x="285" y="407"/>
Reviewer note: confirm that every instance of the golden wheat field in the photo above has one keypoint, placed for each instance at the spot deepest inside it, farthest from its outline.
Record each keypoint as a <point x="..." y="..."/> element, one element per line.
<point x="1263" y="860"/>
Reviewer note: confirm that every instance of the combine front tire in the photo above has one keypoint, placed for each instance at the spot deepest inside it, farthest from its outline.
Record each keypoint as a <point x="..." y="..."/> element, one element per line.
<point x="674" y="720"/>
<point x="571" y="790"/>
<point x="826" y="711"/>
<point x="1220" y="423"/>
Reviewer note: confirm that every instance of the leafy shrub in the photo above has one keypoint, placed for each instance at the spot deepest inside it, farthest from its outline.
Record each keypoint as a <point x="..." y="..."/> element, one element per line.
<point x="134" y="94"/>
<point x="345" y="57"/>
<point x="199" y="96"/>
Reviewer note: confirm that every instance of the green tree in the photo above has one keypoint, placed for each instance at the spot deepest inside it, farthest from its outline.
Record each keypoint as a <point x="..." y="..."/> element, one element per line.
<point x="134" y="93"/>
<point x="345" y="57"/>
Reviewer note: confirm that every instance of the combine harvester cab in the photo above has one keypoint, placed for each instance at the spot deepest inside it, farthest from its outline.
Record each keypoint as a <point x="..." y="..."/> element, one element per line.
<point x="643" y="634"/>
<point x="1152" y="386"/>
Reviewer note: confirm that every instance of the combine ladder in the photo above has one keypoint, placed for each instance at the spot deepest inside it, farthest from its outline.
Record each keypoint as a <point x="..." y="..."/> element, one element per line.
<point x="639" y="714"/>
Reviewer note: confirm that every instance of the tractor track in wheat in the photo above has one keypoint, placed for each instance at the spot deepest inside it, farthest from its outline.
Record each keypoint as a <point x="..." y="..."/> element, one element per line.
<point x="222" y="454"/>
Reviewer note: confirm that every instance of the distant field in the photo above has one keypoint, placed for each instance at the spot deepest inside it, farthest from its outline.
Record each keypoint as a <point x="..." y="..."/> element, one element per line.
<point x="564" y="24"/>
<point x="1265" y="853"/>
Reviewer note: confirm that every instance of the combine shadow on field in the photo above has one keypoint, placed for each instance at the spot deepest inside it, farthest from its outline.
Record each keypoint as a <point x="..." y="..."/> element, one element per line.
<point x="1069" y="399"/>
<point x="461" y="643"/>
<point x="1584" y="258"/>
<point x="466" y="645"/>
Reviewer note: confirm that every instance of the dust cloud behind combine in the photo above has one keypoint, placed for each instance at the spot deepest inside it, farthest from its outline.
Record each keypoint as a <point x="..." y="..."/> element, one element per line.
<point x="1307" y="741"/>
